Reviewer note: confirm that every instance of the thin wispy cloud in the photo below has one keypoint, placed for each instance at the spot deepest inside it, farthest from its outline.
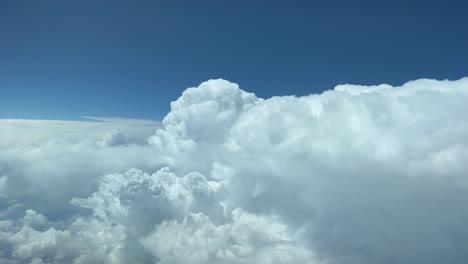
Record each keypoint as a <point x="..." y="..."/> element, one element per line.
<point x="29" y="132"/>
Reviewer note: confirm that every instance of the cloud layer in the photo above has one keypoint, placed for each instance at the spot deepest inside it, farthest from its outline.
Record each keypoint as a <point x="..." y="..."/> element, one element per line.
<point x="354" y="175"/>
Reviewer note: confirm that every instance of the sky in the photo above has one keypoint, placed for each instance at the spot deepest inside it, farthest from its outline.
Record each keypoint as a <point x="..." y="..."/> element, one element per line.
<point x="130" y="59"/>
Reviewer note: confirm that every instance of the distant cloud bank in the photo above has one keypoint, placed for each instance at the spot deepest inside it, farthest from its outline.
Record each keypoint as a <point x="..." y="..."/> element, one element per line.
<point x="355" y="175"/>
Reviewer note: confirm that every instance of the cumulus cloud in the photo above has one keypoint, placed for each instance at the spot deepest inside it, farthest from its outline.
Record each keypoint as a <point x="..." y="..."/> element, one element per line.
<point x="358" y="174"/>
<point x="44" y="164"/>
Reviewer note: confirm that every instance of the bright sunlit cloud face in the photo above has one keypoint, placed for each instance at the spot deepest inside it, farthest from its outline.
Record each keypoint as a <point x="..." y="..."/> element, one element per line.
<point x="357" y="174"/>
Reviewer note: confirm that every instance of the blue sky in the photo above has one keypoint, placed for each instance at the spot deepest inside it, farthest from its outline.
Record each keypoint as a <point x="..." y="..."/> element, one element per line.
<point x="66" y="59"/>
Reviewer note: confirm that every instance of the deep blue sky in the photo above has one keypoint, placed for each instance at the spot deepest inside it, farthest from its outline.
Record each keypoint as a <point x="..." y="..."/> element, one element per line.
<point x="65" y="59"/>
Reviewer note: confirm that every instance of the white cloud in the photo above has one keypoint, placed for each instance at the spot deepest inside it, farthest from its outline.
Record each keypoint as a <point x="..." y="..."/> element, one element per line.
<point x="44" y="164"/>
<point x="353" y="175"/>
<point x="17" y="132"/>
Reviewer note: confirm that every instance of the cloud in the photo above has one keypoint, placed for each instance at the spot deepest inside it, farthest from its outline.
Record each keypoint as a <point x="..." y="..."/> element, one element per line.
<point x="358" y="174"/>
<point x="18" y="132"/>
<point x="44" y="164"/>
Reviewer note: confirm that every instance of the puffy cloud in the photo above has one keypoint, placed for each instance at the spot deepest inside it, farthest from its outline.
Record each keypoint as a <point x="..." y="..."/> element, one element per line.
<point x="247" y="238"/>
<point x="357" y="174"/>
<point x="82" y="242"/>
<point x="44" y="164"/>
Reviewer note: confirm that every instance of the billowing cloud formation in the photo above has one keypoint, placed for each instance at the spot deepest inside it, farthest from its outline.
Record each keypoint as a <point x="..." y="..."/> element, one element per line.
<point x="353" y="175"/>
<point x="44" y="164"/>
